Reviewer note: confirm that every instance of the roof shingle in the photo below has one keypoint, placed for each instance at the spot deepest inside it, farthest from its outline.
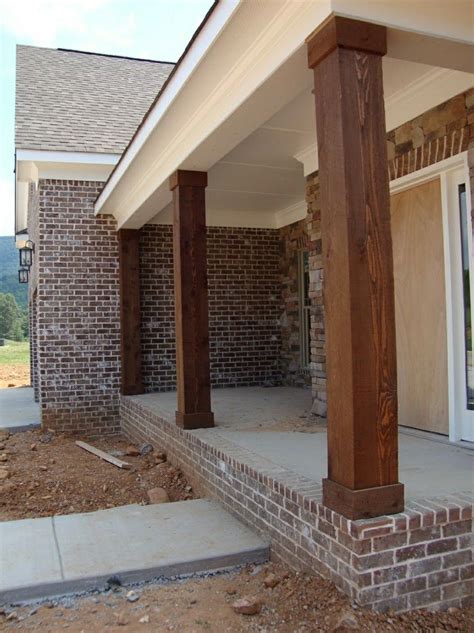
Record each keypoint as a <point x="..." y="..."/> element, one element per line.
<point x="82" y="102"/>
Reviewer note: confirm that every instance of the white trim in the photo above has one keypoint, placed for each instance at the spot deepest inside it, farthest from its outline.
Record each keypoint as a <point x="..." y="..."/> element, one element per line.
<point x="435" y="87"/>
<point x="216" y="22"/>
<point x="73" y="171"/>
<point x="290" y="214"/>
<point x="226" y="218"/>
<point x="445" y="170"/>
<point x="427" y="173"/>
<point x="80" y="158"/>
<point x="309" y="157"/>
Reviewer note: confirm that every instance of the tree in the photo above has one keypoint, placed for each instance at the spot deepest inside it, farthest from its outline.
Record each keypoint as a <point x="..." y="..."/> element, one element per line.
<point x="10" y="317"/>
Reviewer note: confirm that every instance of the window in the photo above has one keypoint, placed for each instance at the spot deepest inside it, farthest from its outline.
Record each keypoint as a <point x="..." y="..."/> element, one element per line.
<point x="305" y="304"/>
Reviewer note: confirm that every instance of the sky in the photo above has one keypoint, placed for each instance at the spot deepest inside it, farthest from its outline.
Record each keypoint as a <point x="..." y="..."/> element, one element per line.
<point x="150" y="29"/>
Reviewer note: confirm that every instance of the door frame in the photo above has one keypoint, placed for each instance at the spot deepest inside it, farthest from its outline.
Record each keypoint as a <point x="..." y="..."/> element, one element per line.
<point x="451" y="172"/>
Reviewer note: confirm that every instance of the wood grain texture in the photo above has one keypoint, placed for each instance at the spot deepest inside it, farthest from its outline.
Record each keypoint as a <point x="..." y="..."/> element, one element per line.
<point x="358" y="271"/>
<point x="191" y="300"/>
<point x="420" y="308"/>
<point x="337" y="31"/>
<point x="130" y="323"/>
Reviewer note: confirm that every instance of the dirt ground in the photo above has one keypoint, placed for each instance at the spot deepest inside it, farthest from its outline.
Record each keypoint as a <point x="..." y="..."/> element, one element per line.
<point x="49" y="474"/>
<point x="298" y="603"/>
<point x="15" y="375"/>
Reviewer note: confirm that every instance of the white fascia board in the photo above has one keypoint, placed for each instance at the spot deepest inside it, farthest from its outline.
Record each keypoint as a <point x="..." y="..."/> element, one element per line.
<point x="212" y="115"/>
<point x="211" y="30"/>
<point x="79" y="158"/>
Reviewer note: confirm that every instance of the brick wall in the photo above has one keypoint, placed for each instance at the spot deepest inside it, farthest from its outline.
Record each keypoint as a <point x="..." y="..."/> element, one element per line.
<point x="77" y="310"/>
<point x="32" y="326"/>
<point x="34" y="236"/>
<point x="244" y="306"/>
<point x="421" y="557"/>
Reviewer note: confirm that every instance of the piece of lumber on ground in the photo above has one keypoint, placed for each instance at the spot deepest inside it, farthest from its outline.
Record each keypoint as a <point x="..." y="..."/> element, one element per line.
<point x="103" y="455"/>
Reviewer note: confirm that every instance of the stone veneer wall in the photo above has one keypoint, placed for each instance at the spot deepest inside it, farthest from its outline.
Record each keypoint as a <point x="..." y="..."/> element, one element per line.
<point x="304" y="235"/>
<point x="77" y="310"/>
<point x="244" y="307"/>
<point x="439" y="133"/>
<point x="421" y="557"/>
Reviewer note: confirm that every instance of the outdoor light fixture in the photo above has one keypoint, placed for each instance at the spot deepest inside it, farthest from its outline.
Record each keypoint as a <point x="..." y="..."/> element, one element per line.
<point x="26" y="254"/>
<point x="23" y="274"/>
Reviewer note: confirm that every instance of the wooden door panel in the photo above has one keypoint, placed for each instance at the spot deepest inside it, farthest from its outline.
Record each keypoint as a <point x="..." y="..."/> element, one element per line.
<point x="420" y="307"/>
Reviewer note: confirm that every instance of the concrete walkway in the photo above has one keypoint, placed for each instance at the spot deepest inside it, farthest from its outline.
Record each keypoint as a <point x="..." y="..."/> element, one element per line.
<point x="79" y="552"/>
<point x="18" y="409"/>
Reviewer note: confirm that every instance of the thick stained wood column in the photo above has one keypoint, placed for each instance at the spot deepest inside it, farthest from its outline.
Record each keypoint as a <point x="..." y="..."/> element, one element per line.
<point x="130" y="339"/>
<point x="346" y="56"/>
<point x="191" y="304"/>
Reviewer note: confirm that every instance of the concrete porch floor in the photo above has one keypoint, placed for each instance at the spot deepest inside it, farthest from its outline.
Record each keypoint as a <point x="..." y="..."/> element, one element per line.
<point x="275" y="424"/>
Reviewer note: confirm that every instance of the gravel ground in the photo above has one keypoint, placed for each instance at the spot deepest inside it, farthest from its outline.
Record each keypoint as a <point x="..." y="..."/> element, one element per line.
<point x="296" y="603"/>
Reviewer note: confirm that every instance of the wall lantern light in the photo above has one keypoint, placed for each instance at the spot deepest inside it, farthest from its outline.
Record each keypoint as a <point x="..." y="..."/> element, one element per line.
<point x="26" y="254"/>
<point x="23" y="275"/>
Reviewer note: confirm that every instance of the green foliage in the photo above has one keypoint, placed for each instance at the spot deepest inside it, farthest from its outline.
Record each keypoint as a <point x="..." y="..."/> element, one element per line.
<point x="11" y="318"/>
<point x="9" y="264"/>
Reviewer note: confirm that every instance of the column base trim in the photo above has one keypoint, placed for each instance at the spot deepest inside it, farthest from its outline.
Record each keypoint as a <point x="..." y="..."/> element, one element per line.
<point x="189" y="421"/>
<point x="366" y="503"/>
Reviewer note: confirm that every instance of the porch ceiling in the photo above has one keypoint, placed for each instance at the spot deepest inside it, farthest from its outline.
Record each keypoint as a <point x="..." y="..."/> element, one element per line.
<point x="261" y="182"/>
<point x="245" y="114"/>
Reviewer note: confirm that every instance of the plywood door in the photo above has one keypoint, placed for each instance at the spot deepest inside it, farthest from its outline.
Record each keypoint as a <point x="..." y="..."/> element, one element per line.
<point x="420" y="308"/>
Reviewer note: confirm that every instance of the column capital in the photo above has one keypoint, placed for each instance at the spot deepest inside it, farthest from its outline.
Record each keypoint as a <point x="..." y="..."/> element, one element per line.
<point x="185" y="178"/>
<point x="337" y="31"/>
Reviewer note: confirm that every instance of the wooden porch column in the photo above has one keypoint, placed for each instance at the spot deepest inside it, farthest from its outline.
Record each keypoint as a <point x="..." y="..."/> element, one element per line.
<point x="130" y="338"/>
<point x="191" y="305"/>
<point x="346" y="56"/>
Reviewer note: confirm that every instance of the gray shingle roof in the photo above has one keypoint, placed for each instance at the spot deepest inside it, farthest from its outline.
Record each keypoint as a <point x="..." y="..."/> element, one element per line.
<point x="80" y="102"/>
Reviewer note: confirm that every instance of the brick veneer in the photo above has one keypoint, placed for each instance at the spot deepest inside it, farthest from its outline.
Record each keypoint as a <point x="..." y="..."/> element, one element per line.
<point x="32" y="326"/>
<point x="34" y="235"/>
<point x="421" y="557"/>
<point x="77" y="310"/>
<point x="244" y="306"/>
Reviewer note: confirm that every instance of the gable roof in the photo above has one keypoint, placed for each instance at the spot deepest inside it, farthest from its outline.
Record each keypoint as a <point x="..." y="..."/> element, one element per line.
<point x="82" y="102"/>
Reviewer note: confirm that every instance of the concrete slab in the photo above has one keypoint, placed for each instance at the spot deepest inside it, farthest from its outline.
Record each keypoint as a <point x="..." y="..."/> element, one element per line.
<point x="18" y="409"/>
<point x="135" y="543"/>
<point x="29" y="557"/>
<point x="427" y="467"/>
<point x="246" y="408"/>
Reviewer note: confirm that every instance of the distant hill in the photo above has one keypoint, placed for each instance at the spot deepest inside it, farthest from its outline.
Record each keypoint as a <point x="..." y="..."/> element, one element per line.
<point x="9" y="265"/>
